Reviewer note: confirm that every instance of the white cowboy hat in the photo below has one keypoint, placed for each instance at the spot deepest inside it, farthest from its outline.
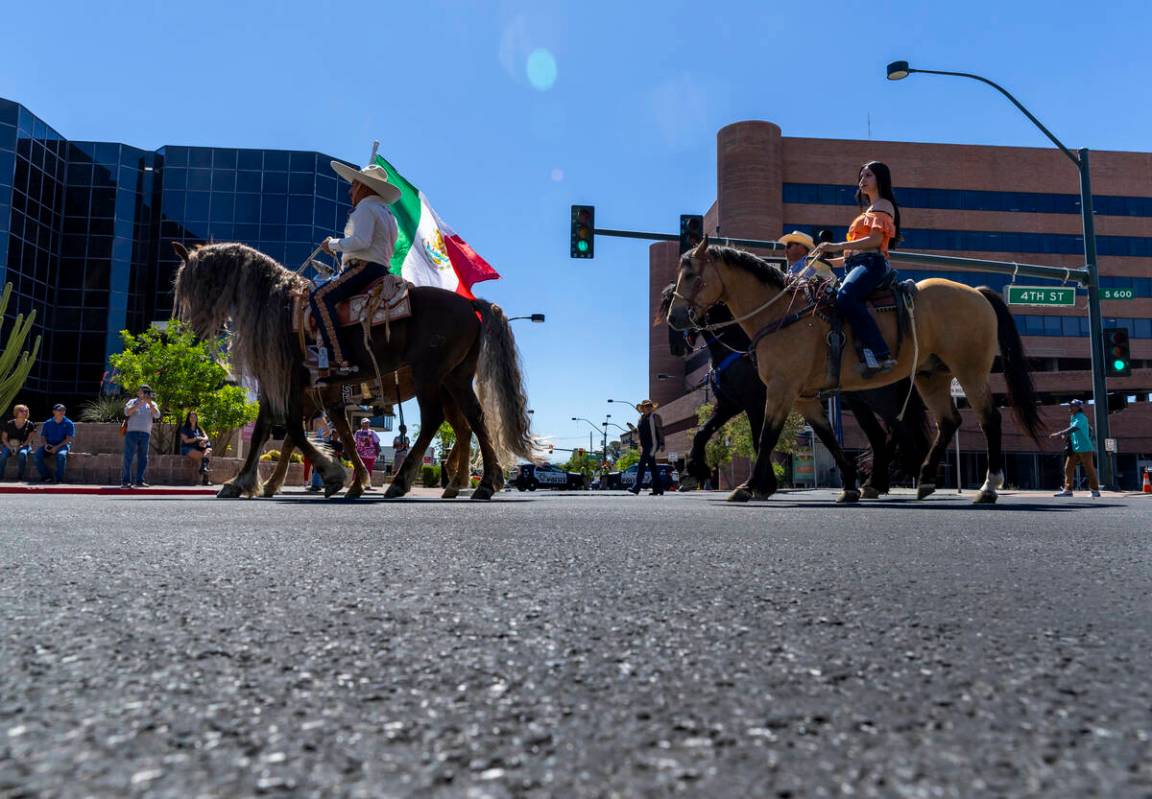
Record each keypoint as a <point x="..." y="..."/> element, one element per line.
<point x="647" y="404"/>
<point x="373" y="176"/>
<point x="796" y="237"/>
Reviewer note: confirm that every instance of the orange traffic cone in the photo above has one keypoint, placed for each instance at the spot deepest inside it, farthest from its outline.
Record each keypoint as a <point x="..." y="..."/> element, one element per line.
<point x="1147" y="487"/>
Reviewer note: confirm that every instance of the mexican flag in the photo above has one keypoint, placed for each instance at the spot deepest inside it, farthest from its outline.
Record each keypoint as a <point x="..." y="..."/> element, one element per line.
<point x="428" y="252"/>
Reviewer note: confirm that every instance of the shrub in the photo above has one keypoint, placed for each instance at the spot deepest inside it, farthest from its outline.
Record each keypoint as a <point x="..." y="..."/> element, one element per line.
<point x="430" y="476"/>
<point x="274" y="455"/>
<point x="105" y="408"/>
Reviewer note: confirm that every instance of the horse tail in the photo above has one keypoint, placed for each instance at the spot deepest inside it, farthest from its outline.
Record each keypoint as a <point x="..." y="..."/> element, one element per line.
<point x="1016" y="373"/>
<point x="500" y="385"/>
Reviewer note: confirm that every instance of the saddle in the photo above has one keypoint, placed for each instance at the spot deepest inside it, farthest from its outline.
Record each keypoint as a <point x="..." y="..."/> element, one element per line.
<point x="387" y="299"/>
<point x="891" y="295"/>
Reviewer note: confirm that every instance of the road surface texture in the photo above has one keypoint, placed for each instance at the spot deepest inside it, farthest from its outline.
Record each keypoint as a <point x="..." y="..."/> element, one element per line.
<point x="582" y="645"/>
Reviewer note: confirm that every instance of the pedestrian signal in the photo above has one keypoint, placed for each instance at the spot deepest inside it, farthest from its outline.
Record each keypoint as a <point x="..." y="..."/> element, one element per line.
<point x="1117" y="356"/>
<point x="583" y="231"/>
<point x="691" y="231"/>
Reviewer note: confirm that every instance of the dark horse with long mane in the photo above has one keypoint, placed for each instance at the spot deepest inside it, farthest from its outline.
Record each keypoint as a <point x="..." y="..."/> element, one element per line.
<point x="737" y="388"/>
<point x="448" y="342"/>
<point x="955" y="330"/>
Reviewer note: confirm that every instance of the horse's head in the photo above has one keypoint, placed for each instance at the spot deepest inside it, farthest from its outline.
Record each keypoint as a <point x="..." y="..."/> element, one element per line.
<point x="681" y="330"/>
<point x="698" y="286"/>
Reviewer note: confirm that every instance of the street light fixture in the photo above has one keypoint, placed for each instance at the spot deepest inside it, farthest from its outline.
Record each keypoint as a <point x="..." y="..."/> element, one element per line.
<point x="536" y="318"/>
<point x="898" y="70"/>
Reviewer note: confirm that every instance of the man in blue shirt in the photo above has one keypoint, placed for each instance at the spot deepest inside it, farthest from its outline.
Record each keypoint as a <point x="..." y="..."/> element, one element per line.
<point x="1081" y="450"/>
<point x="56" y="433"/>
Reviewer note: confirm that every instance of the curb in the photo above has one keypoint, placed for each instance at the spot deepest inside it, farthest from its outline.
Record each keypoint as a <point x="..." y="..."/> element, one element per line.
<point x="109" y="490"/>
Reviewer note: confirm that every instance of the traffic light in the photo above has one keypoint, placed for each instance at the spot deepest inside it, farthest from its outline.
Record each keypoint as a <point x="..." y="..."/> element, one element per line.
<point x="1117" y="357"/>
<point x="583" y="231"/>
<point x="691" y="231"/>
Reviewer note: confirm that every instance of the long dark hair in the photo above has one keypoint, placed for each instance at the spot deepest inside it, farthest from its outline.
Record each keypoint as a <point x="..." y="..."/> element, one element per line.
<point x="884" y="184"/>
<point x="188" y="420"/>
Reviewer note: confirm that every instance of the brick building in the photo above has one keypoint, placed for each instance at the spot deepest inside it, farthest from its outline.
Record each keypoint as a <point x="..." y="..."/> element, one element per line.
<point x="1001" y="203"/>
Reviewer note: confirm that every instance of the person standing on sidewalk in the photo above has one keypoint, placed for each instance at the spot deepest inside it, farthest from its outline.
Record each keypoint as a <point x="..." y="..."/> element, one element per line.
<point x="1080" y="440"/>
<point x="141" y="412"/>
<point x="367" y="445"/>
<point x="651" y="430"/>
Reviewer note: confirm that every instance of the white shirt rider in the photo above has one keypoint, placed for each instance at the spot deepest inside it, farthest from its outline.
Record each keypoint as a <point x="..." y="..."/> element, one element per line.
<point x="370" y="234"/>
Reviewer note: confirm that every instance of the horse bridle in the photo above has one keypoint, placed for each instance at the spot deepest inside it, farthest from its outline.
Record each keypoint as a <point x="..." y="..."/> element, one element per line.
<point x="693" y="306"/>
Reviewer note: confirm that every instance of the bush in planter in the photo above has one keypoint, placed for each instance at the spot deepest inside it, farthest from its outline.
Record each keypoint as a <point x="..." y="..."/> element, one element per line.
<point x="274" y="455"/>
<point x="430" y="476"/>
<point x="105" y="408"/>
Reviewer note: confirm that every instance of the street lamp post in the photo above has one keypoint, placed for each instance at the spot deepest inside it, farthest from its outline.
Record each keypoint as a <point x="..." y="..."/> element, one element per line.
<point x="898" y="70"/>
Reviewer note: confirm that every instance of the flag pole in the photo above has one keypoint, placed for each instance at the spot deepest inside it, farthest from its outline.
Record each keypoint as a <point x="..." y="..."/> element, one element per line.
<point x="375" y="149"/>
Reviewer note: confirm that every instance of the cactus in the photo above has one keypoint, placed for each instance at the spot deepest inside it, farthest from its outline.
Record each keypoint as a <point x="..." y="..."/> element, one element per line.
<point x="14" y="364"/>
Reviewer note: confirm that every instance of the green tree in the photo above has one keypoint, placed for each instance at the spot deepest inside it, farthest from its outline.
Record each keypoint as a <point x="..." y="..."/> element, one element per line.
<point x="734" y="439"/>
<point x="184" y="374"/>
<point x="629" y="457"/>
<point x="224" y="410"/>
<point x="15" y="362"/>
<point x="585" y="464"/>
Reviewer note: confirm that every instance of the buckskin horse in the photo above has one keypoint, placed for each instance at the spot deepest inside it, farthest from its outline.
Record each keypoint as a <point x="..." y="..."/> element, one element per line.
<point x="737" y="388"/>
<point x="448" y="342"/>
<point x="955" y="332"/>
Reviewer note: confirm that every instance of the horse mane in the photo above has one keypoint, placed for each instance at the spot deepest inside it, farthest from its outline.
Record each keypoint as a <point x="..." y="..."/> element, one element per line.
<point x="765" y="271"/>
<point x="235" y="287"/>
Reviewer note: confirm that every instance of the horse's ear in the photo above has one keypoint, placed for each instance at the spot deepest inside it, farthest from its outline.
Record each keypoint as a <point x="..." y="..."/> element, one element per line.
<point x="701" y="250"/>
<point x="180" y="250"/>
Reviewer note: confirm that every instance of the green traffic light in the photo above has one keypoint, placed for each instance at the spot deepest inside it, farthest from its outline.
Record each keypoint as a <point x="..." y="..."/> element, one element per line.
<point x="582" y="246"/>
<point x="1118" y="365"/>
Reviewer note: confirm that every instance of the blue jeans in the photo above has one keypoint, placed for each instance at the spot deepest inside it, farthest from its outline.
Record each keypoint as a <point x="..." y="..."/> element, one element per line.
<point x="867" y="270"/>
<point x="21" y="456"/>
<point x="61" y="456"/>
<point x="135" y="443"/>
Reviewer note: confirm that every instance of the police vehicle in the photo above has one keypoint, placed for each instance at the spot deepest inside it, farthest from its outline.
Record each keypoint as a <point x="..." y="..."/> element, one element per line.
<point x="532" y="476"/>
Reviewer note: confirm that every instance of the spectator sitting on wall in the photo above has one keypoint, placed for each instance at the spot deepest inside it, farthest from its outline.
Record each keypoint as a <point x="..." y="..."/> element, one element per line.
<point x="57" y="434"/>
<point x="194" y="444"/>
<point x="18" y="441"/>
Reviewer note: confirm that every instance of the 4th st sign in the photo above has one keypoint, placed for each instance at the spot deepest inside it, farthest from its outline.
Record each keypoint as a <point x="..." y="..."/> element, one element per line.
<point x="1061" y="296"/>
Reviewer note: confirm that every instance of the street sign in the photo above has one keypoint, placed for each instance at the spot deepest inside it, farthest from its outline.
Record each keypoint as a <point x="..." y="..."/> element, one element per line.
<point x="1117" y="294"/>
<point x="957" y="390"/>
<point x="1064" y="296"/>
<point x="1109" y="445"/>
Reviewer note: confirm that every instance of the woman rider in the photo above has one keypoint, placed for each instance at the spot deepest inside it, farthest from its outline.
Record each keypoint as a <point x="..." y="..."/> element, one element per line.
<point x="866" y="261"/>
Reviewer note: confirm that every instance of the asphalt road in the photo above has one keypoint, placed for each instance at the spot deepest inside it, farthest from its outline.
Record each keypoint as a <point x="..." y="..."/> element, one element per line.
<point x="575" y="646"/>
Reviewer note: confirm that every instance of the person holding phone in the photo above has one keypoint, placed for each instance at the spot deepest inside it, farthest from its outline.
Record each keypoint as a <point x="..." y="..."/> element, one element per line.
<point x="141" y="412"/>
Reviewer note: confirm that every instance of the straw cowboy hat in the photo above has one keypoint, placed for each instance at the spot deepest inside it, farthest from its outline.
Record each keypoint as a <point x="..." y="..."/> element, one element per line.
<point x="796" y="237"/>
<point x="373" y="176"/>
<point x="647" y="404"/>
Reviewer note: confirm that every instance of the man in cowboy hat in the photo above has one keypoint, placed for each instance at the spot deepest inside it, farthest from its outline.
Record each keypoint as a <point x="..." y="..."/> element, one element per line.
<point x="365" y="250"/>
<point x="651" y="429"/>
<point x="797" y="245"/>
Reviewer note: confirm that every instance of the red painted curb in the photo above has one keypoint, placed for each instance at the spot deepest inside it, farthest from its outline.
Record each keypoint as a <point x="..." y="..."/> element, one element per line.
<point x="110" y="490"/>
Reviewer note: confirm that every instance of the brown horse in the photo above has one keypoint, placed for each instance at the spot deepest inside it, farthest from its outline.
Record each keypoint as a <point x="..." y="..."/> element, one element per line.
<point x="447" y="343"/>
<point x="957" y="330"/>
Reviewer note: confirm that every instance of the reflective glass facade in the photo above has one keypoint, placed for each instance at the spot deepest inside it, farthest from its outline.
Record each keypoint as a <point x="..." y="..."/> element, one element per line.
<point x="86" y="231"/>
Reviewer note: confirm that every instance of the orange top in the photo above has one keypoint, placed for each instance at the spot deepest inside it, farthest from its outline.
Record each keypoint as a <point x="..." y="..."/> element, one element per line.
<point x="863" y="225"/>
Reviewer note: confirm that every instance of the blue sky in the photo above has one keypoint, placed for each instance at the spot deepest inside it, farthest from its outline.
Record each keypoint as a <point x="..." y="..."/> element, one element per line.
<point x="628" y="123"/>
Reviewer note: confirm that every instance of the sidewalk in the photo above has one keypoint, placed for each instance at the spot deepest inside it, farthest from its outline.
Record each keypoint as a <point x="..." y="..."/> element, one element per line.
<point x="80" y="488"/>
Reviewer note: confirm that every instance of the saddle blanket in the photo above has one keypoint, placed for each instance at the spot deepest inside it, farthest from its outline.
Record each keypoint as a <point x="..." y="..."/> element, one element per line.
<point x="390" y="295"/>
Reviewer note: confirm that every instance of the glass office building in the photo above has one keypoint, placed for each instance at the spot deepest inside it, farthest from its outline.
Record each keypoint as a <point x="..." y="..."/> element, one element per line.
<point x="86" y="231"/>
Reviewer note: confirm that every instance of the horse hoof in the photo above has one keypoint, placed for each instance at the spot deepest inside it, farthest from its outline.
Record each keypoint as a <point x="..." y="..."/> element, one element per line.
<point x="848" y="496"/>
<point x="925" y="489"/>
<point x="740" y="495"/>
<point x="333" y="488"/>
<point x="482" y="492"/>
<point x="354" y="491"/>
<point x="228" y="491"/>
<point x="688" y="483"/>
<point x="985" y="498"/>
<point x="868" y="492"/>
<point x="394" y="491"/>
<point x="451" y="492"/>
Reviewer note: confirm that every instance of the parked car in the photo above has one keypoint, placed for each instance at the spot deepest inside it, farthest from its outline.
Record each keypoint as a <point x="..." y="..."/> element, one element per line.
<point x="532" y="476"/>
<point x="627" y="478"/>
